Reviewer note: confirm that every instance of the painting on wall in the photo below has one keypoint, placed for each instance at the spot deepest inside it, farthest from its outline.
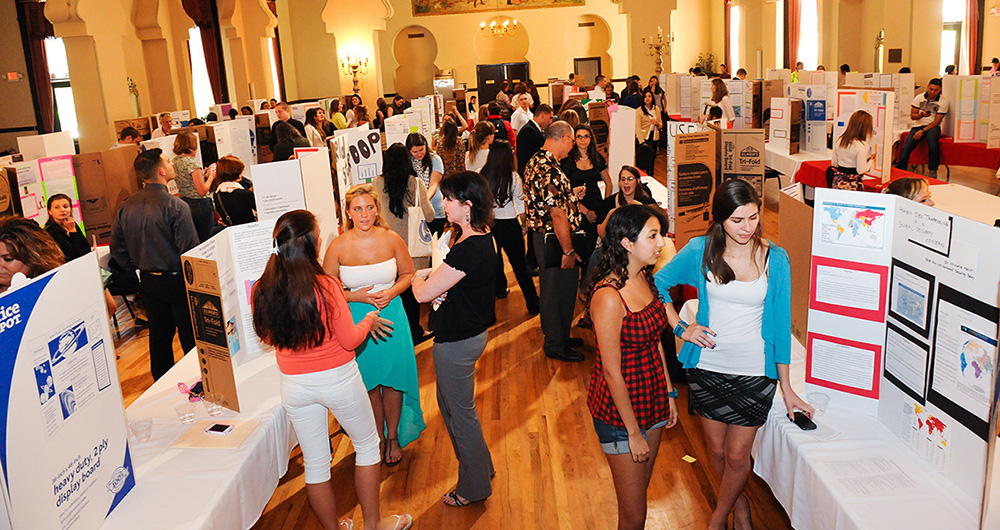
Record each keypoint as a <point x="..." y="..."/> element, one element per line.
<point x="449" y="7"/>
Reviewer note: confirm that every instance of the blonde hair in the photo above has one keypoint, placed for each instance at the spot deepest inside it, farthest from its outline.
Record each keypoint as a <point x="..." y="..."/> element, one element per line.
<point x="719" y="90"/>
<point x="357" y="191"/>
<point x="908" y="187"/>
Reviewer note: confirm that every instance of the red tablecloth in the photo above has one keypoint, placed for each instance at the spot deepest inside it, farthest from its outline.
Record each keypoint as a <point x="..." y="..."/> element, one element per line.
<point x="813" y="173"/>
<point x="973" y="154"/>
<point x="677" y="117"/>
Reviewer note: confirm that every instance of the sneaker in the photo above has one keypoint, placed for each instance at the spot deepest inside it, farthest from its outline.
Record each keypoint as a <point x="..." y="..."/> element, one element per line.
<point x="932" y="173"/>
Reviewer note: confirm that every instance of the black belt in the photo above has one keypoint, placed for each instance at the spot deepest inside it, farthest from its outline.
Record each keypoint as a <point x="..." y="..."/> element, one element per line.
<point x="162" y="273"/>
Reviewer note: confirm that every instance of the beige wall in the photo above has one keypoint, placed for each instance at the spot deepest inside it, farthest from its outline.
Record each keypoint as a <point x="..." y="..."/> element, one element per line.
<point x="16" y="107"/>
<point x="692" y="24"/>
<point x="548" y="33"/>
<point x="308" y="52"/>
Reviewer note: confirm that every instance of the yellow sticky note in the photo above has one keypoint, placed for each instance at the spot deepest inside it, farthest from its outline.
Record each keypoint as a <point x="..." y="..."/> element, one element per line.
<point x="689" y="459"/>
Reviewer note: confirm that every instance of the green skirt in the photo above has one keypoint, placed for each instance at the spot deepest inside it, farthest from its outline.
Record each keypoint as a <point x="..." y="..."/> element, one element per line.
<point x="392" y="363"/>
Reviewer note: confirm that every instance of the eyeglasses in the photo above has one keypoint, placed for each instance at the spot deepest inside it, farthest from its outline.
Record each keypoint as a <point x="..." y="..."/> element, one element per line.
<point x="583" y="137"/>
<point x="629" y="178"/>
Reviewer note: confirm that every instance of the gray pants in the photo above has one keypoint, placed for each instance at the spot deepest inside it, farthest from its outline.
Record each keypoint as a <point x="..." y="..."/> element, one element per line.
<point x="557" y="298"/>
<point x="455" y="367"/>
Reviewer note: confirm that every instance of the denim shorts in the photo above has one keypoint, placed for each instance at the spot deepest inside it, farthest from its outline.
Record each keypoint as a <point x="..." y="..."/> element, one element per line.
<point x="614" y="440"/>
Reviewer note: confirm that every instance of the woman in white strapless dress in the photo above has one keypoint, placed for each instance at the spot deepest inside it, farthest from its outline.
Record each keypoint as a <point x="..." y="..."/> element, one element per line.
<point x="374" y="265"/>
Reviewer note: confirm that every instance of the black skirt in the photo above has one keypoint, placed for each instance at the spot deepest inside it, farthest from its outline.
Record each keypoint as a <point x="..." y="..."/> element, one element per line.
<point x="733" y="399"/>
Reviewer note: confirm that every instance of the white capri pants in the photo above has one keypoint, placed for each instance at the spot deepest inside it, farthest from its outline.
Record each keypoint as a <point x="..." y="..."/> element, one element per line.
<point x="306" y="398"/>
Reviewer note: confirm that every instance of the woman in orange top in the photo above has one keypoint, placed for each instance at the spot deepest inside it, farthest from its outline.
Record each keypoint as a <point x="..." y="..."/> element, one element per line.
<point x="302" y="312"/>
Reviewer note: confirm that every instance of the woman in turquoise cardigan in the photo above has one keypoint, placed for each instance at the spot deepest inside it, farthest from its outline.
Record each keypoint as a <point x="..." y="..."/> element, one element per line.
<point x="738" y="351"/>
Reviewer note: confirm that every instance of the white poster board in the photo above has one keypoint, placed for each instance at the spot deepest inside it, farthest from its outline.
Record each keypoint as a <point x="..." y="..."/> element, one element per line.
<point x="993" y="134"/>
<point x="783" y="74"/>
<point x="813" y="125"/>
<point x="782" y="136"/>
<point x="277" y="188"/>
<point x="317" y="186"/>
<point x="65" y="453"/>
<point x="672" y="93"/>
<point x="621" y="140"/>
<point x="879" y="104"/>
<point x="298" y="110"/>
<point x="358" y="154"/>
<point x="397" y="128"/>
<point x="46" y="145"/>
<point x="235" y="137"/>
<point x="166" y="144"/>
<point x="983" y="114"/>
<point x="962" y="93"/>
<point x="741" y="97"/>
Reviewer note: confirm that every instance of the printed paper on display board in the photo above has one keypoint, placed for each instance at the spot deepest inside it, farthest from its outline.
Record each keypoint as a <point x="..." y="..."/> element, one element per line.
<point x="672" y="91"/>
<point x="684" y="88"/>
<point x="317" y="186"/>
<point x="785" y="124"/>
<point x="621" y="141"/>
<point x="879" y="104"/>
<point x="64" y="449"/>
<point x="993" y="134"/>
<point x="696" y="176"/>
<point x="983" y="115"/>
<point x="397" y="128"/>
<point x="962" y="94"/>
<point x="298" y="110"/>
<point x="277" y="188"/>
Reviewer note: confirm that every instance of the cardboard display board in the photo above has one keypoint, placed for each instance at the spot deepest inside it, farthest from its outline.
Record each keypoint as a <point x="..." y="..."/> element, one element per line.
<point x="298" y="110"/>
<point x="769" y="90"/>
<point x="903" y="325"/>
<point x="673" y="129"/>
<point x="878" y="103"/>
<point x="222" y="111"/>
<point x="795" y="220"/>
<point x="179" y="118"/>
<point x="104" y="180"/>
<point x="983" y="123"/>
<point x="600" y="122"/>
<point x="64" y="447"/>
<point x="696" y="176"/>
<point x="262" y="125"/>
<point x="46" y="145"/>
<point x="621" y="140"/>
<point x="742" y="97"/>
<point x="140" y="124"/>
<point x="740" y="155"/>
<point x="38" y="179"/>
<point x="672" y="92"/>
<point x="786" y="124"/>
<point x="166" y="144"/>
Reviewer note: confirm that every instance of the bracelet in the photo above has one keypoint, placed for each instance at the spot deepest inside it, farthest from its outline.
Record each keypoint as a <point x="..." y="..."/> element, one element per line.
<point x="672" y="393"/>
<point x="680" y="329"/>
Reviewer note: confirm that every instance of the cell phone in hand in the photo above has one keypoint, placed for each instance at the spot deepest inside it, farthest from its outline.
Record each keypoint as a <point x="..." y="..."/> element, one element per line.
<point x="803" y="421"/>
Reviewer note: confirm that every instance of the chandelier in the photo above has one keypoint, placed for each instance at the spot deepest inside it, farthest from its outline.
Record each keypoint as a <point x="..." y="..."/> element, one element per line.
<point x="497" y="28"/>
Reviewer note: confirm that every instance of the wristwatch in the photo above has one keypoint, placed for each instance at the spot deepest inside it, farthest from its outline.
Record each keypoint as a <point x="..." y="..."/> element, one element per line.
<point x="570" y="252"/>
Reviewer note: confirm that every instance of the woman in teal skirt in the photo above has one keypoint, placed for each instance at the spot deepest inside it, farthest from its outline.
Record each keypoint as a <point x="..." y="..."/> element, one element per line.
<point x="375" y="267"/>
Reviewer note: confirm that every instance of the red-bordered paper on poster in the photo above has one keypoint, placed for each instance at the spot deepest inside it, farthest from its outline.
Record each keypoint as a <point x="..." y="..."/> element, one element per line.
<point x="876" y="365"/>
<point x="875" y="315"/>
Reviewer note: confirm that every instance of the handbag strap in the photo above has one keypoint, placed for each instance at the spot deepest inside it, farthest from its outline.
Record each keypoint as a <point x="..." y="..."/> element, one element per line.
<point x="225" y="213"/>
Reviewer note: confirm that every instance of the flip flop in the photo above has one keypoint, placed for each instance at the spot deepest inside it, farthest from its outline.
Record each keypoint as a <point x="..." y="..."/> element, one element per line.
<point x="400" y="518"/>
<point x="389" y="441"/>
<point x="347" y="523"/>
<point x="452" y="499"/>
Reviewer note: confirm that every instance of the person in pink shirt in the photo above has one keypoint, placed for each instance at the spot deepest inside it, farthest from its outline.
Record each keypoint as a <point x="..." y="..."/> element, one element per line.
<point x="302" y="312"/>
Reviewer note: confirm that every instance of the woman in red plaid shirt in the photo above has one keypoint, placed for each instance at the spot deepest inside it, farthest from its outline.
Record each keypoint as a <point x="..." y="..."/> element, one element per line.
<point x="630" y="396"/>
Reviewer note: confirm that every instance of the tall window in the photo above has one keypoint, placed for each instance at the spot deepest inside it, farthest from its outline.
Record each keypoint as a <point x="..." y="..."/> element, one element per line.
<point x="65" y="109"/>
<point x="272" y="58"/>
<point x="809" y="35"/>
<point x="952" y="17"/>
<point x="202" y="87"/>
<point x="734" y="39"/>
<point x="779" y="39"/>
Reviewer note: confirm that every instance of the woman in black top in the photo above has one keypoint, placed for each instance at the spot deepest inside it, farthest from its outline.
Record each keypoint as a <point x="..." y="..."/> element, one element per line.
<point x="463" y="292"/>
<point x="287" y="138"/>
<point x="234" y="199"/>
<point x="64" y="229"/>
<point x="585" y="167"/>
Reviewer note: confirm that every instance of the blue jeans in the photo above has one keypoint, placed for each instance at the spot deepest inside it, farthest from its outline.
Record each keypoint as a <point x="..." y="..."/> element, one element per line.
<point x="203" y="215"/>
<point x="614" y="440"/>
<point x="932" y="135"/>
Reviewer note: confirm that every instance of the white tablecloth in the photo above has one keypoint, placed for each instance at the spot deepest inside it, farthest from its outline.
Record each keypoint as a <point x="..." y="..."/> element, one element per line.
<point x="795" y="465"/>
<point x="217" y="489"/>
<point x="787" y="164"/>
<point x="966" y="202"/>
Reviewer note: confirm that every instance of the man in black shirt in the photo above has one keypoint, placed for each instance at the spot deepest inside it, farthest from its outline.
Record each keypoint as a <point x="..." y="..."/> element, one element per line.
<point x="151" y="230"/>
<point x="284" y="113"/>
<point x="532" y="135"/>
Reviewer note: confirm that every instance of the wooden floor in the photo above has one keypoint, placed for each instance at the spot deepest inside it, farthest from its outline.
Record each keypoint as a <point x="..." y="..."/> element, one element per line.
<point x="550" y="469"/>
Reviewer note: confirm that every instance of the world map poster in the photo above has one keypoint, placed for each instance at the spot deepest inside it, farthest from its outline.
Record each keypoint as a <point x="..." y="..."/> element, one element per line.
<point x="450" y="7"/>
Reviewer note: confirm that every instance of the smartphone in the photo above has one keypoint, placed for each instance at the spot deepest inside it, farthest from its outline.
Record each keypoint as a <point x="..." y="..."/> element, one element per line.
<point x="803" y="421"/>
<point x="222" y="428"/>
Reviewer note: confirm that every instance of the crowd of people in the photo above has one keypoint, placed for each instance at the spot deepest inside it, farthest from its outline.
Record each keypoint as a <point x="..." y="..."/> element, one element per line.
<point x="516" y="178"/>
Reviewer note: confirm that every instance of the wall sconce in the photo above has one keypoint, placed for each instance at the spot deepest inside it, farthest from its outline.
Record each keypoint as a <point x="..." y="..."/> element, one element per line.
<point x="354" y="65"/>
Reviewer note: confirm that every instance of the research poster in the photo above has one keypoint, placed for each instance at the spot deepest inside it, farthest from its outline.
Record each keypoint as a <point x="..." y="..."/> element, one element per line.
<point x="64" y="447"/>
<point x="277" y="188"/>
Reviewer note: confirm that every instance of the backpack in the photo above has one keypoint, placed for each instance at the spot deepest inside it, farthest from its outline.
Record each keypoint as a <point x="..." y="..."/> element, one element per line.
<point x="501" y="126"/>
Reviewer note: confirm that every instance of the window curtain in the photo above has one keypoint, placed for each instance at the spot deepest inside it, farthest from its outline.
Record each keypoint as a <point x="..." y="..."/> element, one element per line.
<point x="729" y="36"/>
<point x="793" y="25"/>
<point x="36" y="29"/>
<point x="971" y="37"/>
<point x="203" y="13"/>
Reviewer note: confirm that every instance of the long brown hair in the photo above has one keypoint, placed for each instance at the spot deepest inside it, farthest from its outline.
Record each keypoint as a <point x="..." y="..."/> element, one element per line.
<point x="28" y="243"/>
<point x="626" y="222"/>
<point x="719" y="90"/>
<point x="287" y="309"/>
<point x="729" y="196"/>
<point x="859" y="128"/>
<point x="476" y="142"/>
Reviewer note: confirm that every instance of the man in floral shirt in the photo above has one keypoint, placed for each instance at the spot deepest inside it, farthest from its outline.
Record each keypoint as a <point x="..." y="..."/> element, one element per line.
<point x="551" y="208"/>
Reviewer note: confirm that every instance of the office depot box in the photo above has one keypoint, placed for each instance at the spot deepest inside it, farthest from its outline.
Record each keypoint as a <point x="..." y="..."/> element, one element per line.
<point x="104" y="180"/>
<point x="696" y="176"/>
<point x="600" y="122"/>
<point x="741" y="155"/>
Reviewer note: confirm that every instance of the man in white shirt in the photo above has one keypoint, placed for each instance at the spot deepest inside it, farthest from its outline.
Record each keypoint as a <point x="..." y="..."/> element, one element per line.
<point x="166" y="123"/>
<point x="927" y="111"/>
<point x="522" y="115"/>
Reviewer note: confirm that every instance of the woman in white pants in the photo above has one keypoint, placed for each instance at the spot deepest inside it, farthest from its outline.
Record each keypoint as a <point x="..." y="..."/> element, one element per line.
<point x="302" y="312"/>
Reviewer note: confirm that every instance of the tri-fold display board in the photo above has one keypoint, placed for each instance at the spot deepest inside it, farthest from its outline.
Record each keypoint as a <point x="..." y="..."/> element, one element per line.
<point x="903" y="325"/>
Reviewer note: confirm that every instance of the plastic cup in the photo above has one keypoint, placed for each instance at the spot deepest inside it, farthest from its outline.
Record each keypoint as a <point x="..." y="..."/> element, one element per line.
<point x="185" y="413"/>
<point x="213" y="404"/>
<point x="142" y="429"/>
<point x="819" y="401"/>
